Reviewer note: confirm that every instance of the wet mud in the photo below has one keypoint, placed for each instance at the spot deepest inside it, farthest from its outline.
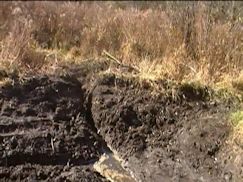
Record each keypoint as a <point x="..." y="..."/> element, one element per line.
<point x="57" y="127"/>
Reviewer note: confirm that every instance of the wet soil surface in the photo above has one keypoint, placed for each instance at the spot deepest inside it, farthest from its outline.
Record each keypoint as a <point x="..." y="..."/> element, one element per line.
<point x="54" y="128"/>
<point x="43" y="122"/>
<point x="30" y="172"/>
<point x="163" y="138"/>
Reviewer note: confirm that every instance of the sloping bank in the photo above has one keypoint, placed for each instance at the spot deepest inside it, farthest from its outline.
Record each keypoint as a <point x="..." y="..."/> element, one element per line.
<point x="57" y="127"/>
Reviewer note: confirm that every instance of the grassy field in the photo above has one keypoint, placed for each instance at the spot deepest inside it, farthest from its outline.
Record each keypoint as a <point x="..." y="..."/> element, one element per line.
<point x="182" y="41"/>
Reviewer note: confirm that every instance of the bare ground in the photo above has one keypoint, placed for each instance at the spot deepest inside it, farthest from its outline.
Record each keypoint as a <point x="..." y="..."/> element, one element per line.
<point x="55" y="127"/>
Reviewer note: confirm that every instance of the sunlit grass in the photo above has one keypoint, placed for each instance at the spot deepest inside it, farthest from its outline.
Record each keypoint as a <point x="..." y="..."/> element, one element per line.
<point x="181" y="41"/>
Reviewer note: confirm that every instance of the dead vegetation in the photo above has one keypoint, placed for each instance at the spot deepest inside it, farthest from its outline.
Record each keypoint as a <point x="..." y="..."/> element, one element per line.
<point x="129" y="76"/>
<point x="182" y="41"/>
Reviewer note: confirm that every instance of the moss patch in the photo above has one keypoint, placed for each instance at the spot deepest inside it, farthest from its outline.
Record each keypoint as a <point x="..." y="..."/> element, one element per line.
<point x="237" y="118"/>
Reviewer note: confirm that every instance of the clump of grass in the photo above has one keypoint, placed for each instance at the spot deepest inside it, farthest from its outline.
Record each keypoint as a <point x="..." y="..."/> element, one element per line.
<point x="237" y="118"/>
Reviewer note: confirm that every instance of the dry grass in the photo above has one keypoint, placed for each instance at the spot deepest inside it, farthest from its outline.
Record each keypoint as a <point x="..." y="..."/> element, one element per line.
<point x="182" y="41"/>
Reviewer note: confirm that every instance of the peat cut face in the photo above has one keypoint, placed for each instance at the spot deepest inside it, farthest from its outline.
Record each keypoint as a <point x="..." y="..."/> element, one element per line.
<point x="43" y="122"/>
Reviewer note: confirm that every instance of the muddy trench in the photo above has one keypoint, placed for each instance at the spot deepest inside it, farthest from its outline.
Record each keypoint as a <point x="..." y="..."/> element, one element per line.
<point x="47" y="132"/>
<point x="81" y="127"/>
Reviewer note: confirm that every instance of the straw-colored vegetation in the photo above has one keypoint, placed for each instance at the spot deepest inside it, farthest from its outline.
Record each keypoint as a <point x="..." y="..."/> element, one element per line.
<point x="182" y="41"/>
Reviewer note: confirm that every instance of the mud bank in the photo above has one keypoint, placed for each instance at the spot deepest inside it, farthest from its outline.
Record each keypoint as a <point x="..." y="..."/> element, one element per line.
<point x="165" y="138"/>
<point x="57" y="127"/>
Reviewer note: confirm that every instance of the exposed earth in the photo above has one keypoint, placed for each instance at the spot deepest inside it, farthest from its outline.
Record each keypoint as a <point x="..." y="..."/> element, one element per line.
<point x="56" y="127"/>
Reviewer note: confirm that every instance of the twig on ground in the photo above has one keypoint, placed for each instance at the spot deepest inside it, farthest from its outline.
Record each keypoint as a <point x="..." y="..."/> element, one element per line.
<point x="113" y="58"/>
